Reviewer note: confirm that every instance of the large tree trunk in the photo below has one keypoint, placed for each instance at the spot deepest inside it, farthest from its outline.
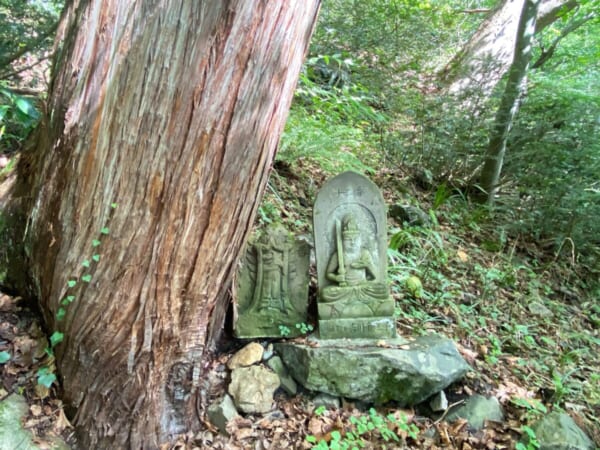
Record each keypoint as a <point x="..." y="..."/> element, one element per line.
<point x="509" y="104"/>
<point x="172" y="109"/>
<point x="487" y="56"/>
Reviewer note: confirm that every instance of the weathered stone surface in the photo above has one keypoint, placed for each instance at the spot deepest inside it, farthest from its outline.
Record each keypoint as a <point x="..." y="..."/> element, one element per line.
<point x="537" y="308"/>
<point x="557" y="431"/>
<point x="476" y="410"/>
<point x="366" y="328"/>
<point x="439" y="402"/>
<point x="406" y="371"/>
<point x="248" y="355"/>
<point x="350" y="245"/>
<point x="271" y="288"/>
<point x="268" y="352"/>
<point x="12" y="434"/>
<point x="221" y="412"/>
<point x="252" y="388"/>
<point x="287" y="383"/>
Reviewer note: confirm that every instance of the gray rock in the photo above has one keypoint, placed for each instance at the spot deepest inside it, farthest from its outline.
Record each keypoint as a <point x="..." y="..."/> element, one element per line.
<point x="12" y="434"/>
<point x="439" y="402"/>
<point x="268" y="352"/>
<point x="537" y="308"/>
<point x="221" y="412"/>
<point x="286" y="381"/>
<point x="412" y="215"/>
<point x="252" y="388"/>
<point x="405" y="371"/>
<point x="248" y="355"/>
<point x="326" y="400"/>
<point x="476" y="410"/>
<point x="557" y="431"/>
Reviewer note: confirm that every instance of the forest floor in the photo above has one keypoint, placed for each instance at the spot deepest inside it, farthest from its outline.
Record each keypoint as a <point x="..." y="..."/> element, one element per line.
<point x="520" y="315"/>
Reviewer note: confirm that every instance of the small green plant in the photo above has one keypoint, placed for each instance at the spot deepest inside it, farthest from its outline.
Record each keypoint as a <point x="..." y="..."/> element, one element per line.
<point x="532" y="442"/>
<point x="533" y="407"/>
<point x="45" y="377"/>
<point x="4" y="357"/>
<point x="320" y="410"/>
<point x="284" y="331"/>
<point x="366" y="428"/>
<point x="304" y="328"/>
<point x="495" y="350"/>
<point x="18" y="116"/>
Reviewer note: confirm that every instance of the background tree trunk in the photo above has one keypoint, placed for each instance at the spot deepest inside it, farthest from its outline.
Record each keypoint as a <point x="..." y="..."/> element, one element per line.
<point x="172" y="109"/>
<point x="509" y="104"/>
<point x="489" y="53"/>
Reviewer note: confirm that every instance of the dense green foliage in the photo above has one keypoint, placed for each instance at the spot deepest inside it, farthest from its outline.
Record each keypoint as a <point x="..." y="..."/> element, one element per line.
<point x="26" y="35"/>
<point x="369" y="97"/>
<point x="25" y="26"/>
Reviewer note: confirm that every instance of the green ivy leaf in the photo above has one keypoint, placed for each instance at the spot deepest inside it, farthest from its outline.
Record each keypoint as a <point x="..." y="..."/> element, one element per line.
<point x="26" y="107"/>
<point x="96" y="257"/>
<point x="61" y="313"/>
<point x="95" y="243"/>
<point x="85" y="264"/>
<point x="45" y="377"/>
<point x="56" y="338"/>
<point x="71" y="283"/>
<point x="4" y="357"/>
<point x="68" y="299"/>
<point x="114" y="205"/>
<point x="87" y="278"/>
<point x="104" y="230"/>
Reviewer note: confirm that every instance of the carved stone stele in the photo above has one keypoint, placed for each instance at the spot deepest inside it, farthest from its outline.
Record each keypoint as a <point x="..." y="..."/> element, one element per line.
<point x="351" y="250"/>
<point x="271" y="288"/>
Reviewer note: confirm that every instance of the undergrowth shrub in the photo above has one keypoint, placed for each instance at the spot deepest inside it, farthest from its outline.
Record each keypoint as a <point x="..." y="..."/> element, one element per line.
<point x="554" y="162"/>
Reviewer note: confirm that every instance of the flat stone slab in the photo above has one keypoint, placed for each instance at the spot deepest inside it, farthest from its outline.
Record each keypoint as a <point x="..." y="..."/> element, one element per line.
<point x="476" y="410"/>
<point x="557" y="431"/>
<point x="407" y="371"/>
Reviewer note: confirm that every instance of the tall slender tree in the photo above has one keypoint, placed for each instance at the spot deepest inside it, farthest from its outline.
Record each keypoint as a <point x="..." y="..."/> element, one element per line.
<point x="172" y="109"/>
<point x="488" y="55"/>
<point x="509" y="104"/>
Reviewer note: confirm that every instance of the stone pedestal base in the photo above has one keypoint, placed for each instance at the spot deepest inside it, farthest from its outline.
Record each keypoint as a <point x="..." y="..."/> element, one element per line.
<point x="359" y="328"/>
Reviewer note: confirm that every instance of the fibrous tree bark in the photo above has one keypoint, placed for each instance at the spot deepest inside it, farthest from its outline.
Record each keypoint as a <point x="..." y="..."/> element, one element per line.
<point x="509" y="103"/>
<point x="488" y="54"/>
<point x="171" y="109"/>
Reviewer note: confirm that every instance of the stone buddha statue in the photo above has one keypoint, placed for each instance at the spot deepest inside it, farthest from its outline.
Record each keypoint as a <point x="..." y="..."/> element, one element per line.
<point x="357" y="292"/>
<point x="351" y="255"/>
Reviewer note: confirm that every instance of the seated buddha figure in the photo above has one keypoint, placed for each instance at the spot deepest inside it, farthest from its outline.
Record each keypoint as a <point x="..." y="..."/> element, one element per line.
<point x="357" y="292"/>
